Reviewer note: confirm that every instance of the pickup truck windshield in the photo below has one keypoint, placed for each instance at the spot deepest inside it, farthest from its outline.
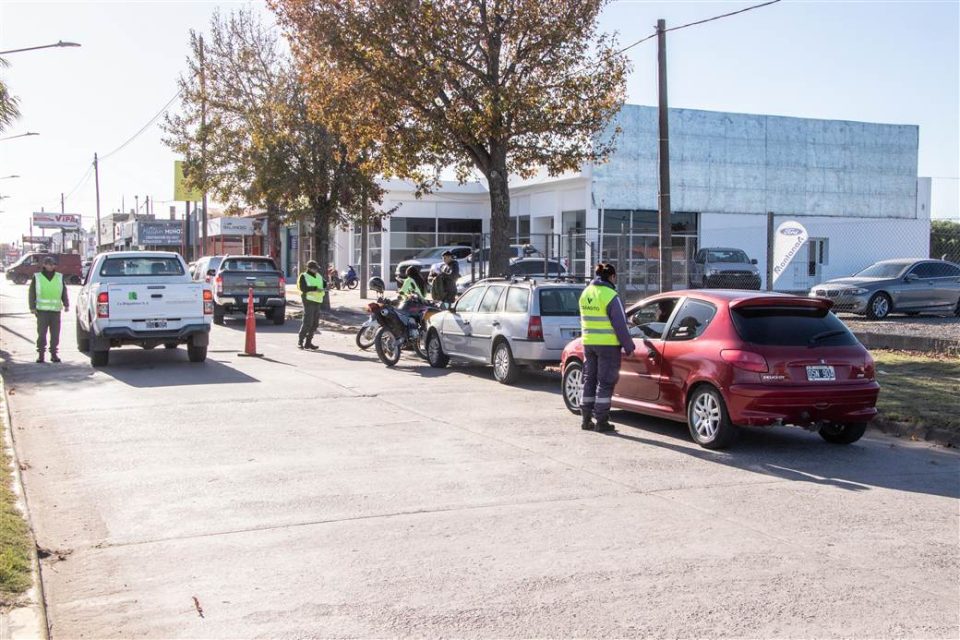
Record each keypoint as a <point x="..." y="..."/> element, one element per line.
<point x="248" y="265"/>
<point x="120" y="267"/>
<point x="732" y="256"/>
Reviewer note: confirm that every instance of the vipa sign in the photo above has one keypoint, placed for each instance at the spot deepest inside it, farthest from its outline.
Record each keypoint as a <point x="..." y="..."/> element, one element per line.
<point x="789" y="239"/>
<point x="43" y="220"/>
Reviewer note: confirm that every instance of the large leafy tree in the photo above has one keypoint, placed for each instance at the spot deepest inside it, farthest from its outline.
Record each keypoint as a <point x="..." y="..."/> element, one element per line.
<point x="9" y="104"/>
<point x="249" y="138"/>
<point x="499" y="86"/>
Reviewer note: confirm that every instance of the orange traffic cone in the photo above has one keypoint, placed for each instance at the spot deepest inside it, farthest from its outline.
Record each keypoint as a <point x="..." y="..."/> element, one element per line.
<point x="250" y="348"/>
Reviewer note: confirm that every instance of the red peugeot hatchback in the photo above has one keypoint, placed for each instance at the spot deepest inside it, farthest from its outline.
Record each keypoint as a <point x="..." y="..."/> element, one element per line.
<point x="718" y="360"/>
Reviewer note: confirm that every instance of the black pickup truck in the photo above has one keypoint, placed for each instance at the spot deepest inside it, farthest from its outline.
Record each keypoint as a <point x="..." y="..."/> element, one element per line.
<point x="234" y="278"/>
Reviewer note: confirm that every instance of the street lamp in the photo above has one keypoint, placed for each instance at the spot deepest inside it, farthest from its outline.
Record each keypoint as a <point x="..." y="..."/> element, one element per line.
<point x="61" y="43"/>
<point x="22" y="135"/>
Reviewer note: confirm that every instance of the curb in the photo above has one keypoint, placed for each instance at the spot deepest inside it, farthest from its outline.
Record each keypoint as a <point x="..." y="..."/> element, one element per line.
<point x="28" y="621"/>
<point x="873" y="340"/>
<point x="942" y="437"/>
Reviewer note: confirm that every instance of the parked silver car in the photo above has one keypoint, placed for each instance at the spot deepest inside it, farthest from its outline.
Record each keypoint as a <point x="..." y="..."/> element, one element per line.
<point x="519" y="268"/>
<point x="724" y="268"/>
<point x="909" y="286"/>
<point x="508" y="323"/>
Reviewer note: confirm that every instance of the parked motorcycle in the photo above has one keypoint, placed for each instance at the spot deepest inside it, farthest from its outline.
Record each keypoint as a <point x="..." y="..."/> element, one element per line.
<point x="349" y="278"/>
<point x="368" y="330"/>
<point x="401" y="329"/>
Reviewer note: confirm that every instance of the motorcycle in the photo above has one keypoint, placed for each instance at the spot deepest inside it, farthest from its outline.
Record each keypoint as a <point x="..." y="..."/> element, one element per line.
<point x="333" y="278"/>
<point x="401" y="329"/>
<point x="349" y="278"/>
<point x="368" y="330"/>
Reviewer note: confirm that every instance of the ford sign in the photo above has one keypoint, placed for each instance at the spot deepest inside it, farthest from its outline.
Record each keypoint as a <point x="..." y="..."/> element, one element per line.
<point x="791" y="231"/>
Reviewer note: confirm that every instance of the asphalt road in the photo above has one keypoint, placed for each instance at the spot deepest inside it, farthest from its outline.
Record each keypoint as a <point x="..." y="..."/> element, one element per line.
<point x="311" y="495"/>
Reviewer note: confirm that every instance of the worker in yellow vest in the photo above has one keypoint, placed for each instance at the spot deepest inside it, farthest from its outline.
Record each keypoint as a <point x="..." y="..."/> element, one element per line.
<point x="47" y="298"/>
<point x="603" y="325"/>
<point x="312" y="291"/>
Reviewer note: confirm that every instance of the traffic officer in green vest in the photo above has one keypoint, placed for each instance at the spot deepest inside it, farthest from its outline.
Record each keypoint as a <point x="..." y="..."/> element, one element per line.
<point x="48" y="297"/>
<point x="312" y="291"/>
<point x="603" y="325"/>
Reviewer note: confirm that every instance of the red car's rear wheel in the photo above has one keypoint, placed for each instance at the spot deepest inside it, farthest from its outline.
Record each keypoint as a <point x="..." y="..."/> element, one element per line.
<point x="708" y="420"/>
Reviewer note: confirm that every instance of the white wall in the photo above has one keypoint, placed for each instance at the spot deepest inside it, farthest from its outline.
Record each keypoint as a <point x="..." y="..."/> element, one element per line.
<point x="852" y="244"/>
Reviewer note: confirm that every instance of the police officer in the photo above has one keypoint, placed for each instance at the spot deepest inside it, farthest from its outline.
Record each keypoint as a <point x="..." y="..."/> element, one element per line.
<point x="603" y="324"/>
<point x="47" y="298"/>
<point x="312" y="291"/>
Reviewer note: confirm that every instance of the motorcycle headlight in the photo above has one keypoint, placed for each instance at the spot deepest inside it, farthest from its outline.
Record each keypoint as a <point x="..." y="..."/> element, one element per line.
<point x="384" y="312"/>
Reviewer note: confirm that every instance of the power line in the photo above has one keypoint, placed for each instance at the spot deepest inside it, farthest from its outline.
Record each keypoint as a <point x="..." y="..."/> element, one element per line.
<point x="143" y="128"/>
<point x="693" y="24"/>
<point x="82" y="181"/>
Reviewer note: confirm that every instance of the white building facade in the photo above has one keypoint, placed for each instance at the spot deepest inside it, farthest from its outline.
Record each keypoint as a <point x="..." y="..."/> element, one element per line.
<point x="853" y="185"/>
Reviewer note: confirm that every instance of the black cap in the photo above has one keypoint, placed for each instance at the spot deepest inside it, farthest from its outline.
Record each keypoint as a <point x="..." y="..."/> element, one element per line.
<point x="446" y="253"/>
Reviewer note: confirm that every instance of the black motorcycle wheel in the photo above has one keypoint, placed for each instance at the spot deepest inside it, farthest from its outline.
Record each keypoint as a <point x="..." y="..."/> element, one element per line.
<point x="388" y="347"/>
<point x="421" y="344"/>
<point x="366" y="336"/>
<point x="353" y="284"/>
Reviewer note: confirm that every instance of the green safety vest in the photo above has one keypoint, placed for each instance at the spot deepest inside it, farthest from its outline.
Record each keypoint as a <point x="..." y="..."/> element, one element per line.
<point x="595" y="325"/>
<point x="49" y="292"/>
<point x="409" y="287"/>
<point x="313" y="281"/>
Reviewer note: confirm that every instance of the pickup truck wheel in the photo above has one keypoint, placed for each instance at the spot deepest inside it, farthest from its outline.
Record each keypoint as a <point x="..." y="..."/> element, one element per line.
<point x="100" y="358"/>
<point x="196" y="354"/>
<point x="83" y="339"/>
<point x="217" y="314"/>
<point x="278" y="315"/>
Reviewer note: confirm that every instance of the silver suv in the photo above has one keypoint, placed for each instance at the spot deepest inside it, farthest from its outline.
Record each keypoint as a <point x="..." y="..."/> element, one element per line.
<point x="509" y="323"/>
<point x="724" y="268"/>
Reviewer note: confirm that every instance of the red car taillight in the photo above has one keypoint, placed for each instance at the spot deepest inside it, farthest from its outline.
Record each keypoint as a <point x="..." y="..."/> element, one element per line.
<point x="207" y="302"/>
<point x="103" y="305"/>
<point x="746" y="360"/>
<point x="535" y="329"/>
<point x="283" y="287"/>
<point x="218" y="283"/>
<point x="868" y="371"/>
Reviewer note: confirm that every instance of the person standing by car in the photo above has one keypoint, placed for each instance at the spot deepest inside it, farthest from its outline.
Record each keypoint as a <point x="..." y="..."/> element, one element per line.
<point x="449" y="273"/>
<point x="48" y="297"/>
<point x="312" y="291"/>
<point x="603" y="324"/>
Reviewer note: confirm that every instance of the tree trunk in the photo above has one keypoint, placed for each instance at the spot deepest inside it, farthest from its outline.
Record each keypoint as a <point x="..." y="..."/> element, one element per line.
<point x="500" y="235"/>
<point x="321" y="245"/>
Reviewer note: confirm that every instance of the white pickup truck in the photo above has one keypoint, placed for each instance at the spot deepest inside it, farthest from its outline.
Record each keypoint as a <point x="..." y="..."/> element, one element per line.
<point x="144" y="298"/>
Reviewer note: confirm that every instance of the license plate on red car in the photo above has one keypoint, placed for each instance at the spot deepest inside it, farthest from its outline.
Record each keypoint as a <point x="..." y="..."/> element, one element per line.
<point x="821" y="374"/>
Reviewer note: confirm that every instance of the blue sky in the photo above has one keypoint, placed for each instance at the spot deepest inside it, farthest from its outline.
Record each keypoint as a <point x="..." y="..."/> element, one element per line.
<point x="894" y="62"/>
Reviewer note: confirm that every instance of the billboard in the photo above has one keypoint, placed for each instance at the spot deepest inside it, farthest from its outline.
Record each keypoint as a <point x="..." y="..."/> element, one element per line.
<point x="790" y="238"/>
<point x="44" y="220"/>
<point x="37" y="239"/>
<point x="180" y="190"/>
<point x="230" y="226"/>
<point x="160" y="233"/>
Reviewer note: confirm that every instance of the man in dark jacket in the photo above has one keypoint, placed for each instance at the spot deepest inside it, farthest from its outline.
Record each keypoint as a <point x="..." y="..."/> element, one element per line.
<point x="48" y="297"/>
<point x="312" y="291"/>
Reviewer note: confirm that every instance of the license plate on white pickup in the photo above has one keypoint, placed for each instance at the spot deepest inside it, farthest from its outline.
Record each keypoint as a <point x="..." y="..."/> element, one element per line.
<point x="156" y="324"/>
<point x="821" y="374"/>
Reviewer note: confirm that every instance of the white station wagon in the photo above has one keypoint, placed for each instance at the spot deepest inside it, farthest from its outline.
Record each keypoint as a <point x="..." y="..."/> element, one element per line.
<point x="509" y="323"/>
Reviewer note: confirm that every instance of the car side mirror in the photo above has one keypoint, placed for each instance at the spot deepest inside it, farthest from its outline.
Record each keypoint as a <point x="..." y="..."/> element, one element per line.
<point x="754" y="261"/>
<point x="636" y="320"/>
<point x="211" y="272"/>
<point x="911" y="277"/>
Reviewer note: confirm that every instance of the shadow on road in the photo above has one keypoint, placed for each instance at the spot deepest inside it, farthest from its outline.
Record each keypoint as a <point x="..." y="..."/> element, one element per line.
<point x="791" y="453"/>
<point x="168" y="368"/>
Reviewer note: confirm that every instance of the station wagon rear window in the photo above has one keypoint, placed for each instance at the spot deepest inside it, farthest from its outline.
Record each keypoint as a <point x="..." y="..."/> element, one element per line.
<point x="120" y="267"/>
<point x="791" y="327"/>
<point x="560" y="302"/>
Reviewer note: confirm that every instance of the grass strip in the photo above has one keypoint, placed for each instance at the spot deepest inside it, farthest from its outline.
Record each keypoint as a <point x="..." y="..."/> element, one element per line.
<point x="919" y="390"/>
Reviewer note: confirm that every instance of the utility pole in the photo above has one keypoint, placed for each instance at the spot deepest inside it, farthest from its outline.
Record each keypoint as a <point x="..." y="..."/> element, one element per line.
<point x="203" y="145"/>
<point x="666" y="231"/>
<point x="770" y="251"/>
<point x="187" y="242"/>
<point x="96" y="175"/>
<point x="364" y="244"/>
